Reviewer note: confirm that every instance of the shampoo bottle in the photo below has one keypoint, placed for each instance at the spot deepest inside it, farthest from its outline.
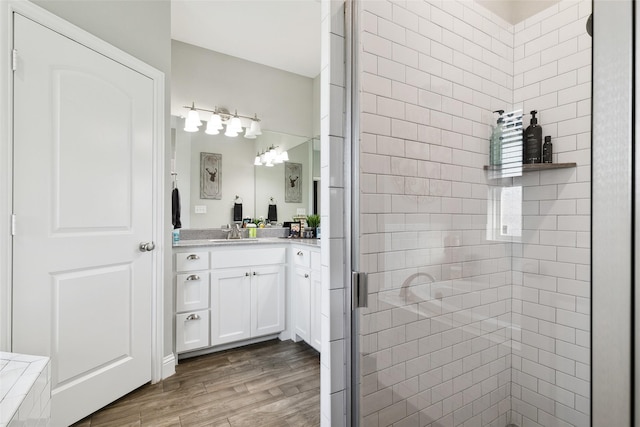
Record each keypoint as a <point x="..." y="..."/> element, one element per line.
<point x="495" y="143"/>
<point x="547" y="150"/>
<point x="533" y="141"/>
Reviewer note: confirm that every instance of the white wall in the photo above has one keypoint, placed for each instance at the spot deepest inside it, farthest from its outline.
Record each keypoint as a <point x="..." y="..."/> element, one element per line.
<point x="282" y="100"/>
<point x="551" y="267"/>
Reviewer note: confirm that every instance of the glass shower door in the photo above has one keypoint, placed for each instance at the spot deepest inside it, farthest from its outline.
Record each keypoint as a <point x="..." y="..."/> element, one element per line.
<point x="478" y="274"/>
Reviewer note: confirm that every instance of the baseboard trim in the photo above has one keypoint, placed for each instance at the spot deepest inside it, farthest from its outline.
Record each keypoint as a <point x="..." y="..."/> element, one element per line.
<point x="168" y="366"/>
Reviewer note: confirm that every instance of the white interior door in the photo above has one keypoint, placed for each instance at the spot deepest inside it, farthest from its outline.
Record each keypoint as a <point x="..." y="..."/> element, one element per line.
<point x="83" y="151"/>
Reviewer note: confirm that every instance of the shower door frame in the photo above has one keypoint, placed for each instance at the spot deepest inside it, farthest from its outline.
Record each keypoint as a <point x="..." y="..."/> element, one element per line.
<point x="615" y="393"/>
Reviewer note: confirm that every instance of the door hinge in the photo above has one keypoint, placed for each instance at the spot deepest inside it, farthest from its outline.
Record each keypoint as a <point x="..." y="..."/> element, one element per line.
<point x="14" y="59"/>
<point x="13" y="224"/>
<point x="360" y="290"/>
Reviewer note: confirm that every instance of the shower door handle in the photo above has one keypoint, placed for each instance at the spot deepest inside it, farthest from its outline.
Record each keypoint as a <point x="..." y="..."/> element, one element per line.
<point x="359" y="290"/>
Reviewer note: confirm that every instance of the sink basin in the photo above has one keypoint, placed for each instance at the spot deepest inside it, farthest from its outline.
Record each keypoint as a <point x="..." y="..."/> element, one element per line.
<point x="233" y="240"/>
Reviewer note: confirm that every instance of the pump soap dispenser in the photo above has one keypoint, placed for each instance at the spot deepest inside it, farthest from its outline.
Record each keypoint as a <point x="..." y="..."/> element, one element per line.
<point x="495" y="143"/>
<point x="533" y="141"/>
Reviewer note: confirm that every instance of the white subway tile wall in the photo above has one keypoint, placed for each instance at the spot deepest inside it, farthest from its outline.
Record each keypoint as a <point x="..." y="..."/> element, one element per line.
<point x="333" y="372"/>
<point x="464" y="328"/>
<point x="551" y="354"/>
<point x="436" y="336"/>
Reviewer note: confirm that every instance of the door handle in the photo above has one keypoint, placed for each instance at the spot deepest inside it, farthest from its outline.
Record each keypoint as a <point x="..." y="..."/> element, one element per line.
<point x="306" y="276"/>
<point x="147" y="246"/>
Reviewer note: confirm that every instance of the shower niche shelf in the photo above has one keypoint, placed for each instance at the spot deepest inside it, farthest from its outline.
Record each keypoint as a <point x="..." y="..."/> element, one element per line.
<point x="531" y="167"/>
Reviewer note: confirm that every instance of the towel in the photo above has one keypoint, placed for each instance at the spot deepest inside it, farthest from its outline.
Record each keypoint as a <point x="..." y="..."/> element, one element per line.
<point x="272" y="216"/>
<point x="237" y="211"/>
<point x="175" y="209"/>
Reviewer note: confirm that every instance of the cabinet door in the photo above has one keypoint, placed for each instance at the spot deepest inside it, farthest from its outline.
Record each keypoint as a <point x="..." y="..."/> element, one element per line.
<point x="192" y="330"/>
<point x="316" y="316"/>
<point x="192" y="291"/>
<point x="301" y="303"/>
<point x="267" y="300"/>
<point x="230" y="305"/>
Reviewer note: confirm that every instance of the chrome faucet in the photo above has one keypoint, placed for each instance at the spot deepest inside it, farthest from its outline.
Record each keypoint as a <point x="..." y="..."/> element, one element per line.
<point x="235" y="232"/>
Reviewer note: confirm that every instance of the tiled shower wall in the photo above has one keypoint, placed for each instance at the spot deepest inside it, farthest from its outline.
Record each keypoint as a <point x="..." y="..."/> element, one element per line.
<point x="433" y="354"/>
<point x="503" y="335"/>
<point x="551" y="355"/>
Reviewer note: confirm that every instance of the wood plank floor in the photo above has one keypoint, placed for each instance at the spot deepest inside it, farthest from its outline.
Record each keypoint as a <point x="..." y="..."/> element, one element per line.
<point x="268" y="384"/>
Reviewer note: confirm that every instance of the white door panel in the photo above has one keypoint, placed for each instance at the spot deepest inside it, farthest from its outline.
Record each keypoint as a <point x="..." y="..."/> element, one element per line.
<point x="83" y="146"/>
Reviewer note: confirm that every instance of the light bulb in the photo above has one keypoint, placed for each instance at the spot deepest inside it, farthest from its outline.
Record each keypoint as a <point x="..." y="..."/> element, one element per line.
<point x="193" y="117"/>
<point x="255" y="126"/>
<point x="212" y="129"/>
<point x="248" y="134"/>
<point x="235" y="124"/>
<point x="215" y="121"/>
<point x="189" y="127"/>
<point x="284" y="156"/>
<point x="230" y="131"/>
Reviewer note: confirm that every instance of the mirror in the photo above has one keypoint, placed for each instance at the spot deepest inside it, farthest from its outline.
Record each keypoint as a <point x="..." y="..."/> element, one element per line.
<point x="237" y="175"/>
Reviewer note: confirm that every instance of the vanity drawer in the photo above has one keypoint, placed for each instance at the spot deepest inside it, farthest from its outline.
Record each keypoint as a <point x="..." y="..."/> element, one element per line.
<point x="301" y="256"/>
<point x="192" y="261"/>
<point x="247" y="257"/>
<point x="192" y="330"/>
<point x="192" y="291"/>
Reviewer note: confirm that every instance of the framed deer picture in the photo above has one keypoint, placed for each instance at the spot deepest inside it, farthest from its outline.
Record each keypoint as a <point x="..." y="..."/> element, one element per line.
<point x="210" y="176"/>
<point x="292" y="182"/>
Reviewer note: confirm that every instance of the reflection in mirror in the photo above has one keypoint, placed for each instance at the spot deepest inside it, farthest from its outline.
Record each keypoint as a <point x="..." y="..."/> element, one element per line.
<point x="238" y="176"/>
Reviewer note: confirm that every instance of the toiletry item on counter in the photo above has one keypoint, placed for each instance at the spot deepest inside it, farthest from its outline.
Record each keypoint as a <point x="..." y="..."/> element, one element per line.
<point x="253" y="230"/>
<point x="176" y="235"/>
<point x="495" y="143"/>
<point x="533" y="141"/>
<point x="547" y="150"/>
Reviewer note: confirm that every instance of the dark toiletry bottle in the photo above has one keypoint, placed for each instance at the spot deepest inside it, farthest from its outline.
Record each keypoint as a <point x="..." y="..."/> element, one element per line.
<point x="533" y="141"/>
<point x="547" y="150"/>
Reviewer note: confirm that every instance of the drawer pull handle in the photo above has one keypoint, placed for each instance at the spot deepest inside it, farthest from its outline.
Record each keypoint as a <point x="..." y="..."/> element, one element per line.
<point x="192" y="317"/>
<point x="306" y="276"/>
<point x="193" y="257"/>
<point x="193" y="277"/>
<point x="300" y="253"/>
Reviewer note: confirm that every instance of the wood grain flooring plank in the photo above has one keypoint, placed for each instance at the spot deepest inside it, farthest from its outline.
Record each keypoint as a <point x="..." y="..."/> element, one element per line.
<point x="271" y="383"/>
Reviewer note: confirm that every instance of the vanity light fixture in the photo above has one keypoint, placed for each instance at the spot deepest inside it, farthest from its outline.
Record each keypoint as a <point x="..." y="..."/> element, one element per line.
<point x="270" y="157"/>
<point x="220" y="117"/>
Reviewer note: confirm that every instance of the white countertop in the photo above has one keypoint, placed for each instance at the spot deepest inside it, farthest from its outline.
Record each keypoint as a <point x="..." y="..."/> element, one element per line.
<point x="18" y="374"/>
<point x="246" y="241"/>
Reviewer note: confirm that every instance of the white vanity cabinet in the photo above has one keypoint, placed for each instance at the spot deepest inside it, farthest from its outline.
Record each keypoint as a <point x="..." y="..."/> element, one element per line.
<point x="307" y="293"/>
<point x="240" y="296"/>
<point x="192" y="300"/>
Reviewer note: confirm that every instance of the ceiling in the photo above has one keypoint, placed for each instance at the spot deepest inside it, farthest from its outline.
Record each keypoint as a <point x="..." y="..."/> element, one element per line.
<point x="283" y="34"/>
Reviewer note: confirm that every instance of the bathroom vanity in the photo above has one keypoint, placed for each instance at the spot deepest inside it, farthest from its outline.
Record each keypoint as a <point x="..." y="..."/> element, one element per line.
<point x="230" y="293"/>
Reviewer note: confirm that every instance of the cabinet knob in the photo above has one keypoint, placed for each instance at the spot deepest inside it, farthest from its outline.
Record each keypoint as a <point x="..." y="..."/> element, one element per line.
<point x="306" y="275"/>
<point x="255" y="274"/>
<point x="193" y="257"/>
<point x="192" y="317"/>
<point x="246" y="274"/>
<point x="193" y="277"/>
<point x="299" y="253"/>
